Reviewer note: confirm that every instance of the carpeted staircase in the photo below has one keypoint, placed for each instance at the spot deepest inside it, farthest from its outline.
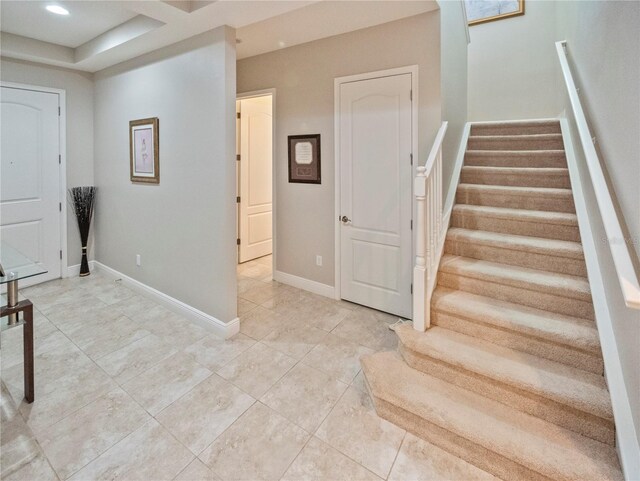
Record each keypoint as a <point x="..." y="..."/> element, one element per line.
<point x="510" y="375"/>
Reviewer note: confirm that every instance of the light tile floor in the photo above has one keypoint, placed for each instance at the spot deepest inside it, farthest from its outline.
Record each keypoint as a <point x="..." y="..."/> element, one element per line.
<point x="128" y="390"/>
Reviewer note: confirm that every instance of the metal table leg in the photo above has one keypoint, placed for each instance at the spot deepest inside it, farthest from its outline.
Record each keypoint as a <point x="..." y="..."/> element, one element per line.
<point x="12" y="300"/>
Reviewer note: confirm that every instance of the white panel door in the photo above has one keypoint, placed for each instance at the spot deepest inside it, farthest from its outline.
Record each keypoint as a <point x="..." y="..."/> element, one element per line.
<point x="375" y="193"/>
<point x="30" y="177"/>
<point x="256" y="137"/>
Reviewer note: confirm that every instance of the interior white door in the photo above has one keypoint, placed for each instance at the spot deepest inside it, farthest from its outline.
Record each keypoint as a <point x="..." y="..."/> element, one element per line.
<point x="30" y="215"/>
<point x="375" y="123"/>
<point x="256" y="140"/>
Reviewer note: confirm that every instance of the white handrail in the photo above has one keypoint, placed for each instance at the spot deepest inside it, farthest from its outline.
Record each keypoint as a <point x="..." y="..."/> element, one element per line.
<point x="436" y="149"/>
<point x="428" y="228"/>
<point x="619" y="251"/>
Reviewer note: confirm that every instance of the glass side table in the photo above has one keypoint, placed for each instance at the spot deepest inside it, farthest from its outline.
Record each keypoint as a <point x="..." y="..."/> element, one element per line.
<point x="15" y="266"/>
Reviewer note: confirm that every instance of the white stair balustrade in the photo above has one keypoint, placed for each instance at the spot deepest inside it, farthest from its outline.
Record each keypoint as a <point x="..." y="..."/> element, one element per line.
<point x="430" y="230"/>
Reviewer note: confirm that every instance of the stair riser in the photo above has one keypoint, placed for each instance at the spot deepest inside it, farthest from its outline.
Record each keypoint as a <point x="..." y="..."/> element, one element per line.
<point x="501" y="159"/>
<point x="488" y="143"/>
<point x="555" y="180"/>
<point x="520" y="342"/>
<point x="517" y="295"/>
<point x="476" y="454"/>
<point x="515" y="129"/>
<point x="554" y="412"/>
<point x="517" y="227"/>
<point x="551" y="263"/>
<point x="529" y="202"/>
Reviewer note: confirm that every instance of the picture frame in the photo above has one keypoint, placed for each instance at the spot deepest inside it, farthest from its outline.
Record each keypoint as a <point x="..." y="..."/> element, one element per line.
<point x="144" y="150"/>
<point x="304" y="159"/>
<point x="483" y="11"/>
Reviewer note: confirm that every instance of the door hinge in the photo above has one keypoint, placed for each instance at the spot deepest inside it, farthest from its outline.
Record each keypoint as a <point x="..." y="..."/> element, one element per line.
<point x="238" y="199"/>
<point x="60" y="206"/>
<point x="238" y="157"/>
<point x="238" y="115"/>
<point x="59" y="113"/>
<point x="61" y="255"/>
<point x="59" y="158"/>
<point x="238" y="241"/>
<point x="410" y="94"/>
<point x="411" y="224"/>
<point x="411" y="158"/>
<point x="411" y="288"/>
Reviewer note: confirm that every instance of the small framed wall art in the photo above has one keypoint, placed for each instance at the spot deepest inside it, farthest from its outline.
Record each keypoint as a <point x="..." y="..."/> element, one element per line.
<point x="304" y="159"/>
<point x="144" y="151"/>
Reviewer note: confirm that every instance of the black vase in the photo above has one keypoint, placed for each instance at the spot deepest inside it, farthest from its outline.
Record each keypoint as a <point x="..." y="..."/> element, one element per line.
<point x="82" y="200"/>
<point x="84" y="263"/>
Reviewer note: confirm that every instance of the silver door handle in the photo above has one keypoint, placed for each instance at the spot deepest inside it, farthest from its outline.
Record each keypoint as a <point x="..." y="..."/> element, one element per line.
<point x="345" y="220"/>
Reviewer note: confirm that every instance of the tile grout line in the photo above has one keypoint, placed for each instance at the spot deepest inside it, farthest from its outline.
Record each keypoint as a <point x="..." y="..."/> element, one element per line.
<point x="329" y="444"/>
<point x="404" y="436"/>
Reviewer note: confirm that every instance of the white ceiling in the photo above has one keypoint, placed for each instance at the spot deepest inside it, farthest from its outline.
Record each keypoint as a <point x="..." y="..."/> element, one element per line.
<point x="97" y="34"/>
<point x="86" y="20"/>
<point x="321" y="20"/>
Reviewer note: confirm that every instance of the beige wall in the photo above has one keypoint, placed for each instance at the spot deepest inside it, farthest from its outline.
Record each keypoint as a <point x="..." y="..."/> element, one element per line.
<point x="604" y="54"/>
<point x="184" y="228"/>
<point x="303" y="77"/>
<point x="454" y="82"/>
<point x="512" y="66"/>
<point x="79" y="96"/>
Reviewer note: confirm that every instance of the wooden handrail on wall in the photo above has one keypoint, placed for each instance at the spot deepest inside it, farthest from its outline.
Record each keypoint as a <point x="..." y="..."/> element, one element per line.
<point x="429" y="226"/>
<point x="625" y="270"/>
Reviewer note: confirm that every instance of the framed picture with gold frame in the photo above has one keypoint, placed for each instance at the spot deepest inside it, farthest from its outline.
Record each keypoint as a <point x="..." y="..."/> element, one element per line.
<point x="144" y="149"/>
<point x="482" y="11"/>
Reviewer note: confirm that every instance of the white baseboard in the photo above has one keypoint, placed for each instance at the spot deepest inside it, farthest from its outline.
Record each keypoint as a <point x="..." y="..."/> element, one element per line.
<point x="305" y="284"/>
<point x="74" y="271"/>
<point x="212" y="324"/>
<point x="626" y="439"/>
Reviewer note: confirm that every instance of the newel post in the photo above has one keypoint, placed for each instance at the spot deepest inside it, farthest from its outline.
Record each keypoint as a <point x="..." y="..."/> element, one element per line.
<point x="420" y="266"/>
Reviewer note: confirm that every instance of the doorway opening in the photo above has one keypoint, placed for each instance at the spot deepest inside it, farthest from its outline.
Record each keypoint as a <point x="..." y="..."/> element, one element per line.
<point x="255" y="186"/>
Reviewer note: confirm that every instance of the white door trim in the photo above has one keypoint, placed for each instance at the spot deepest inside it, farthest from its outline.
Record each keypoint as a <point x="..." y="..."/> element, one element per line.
<point x="62" y="132"/>
<point x="411" y="69"/>
<point x="262" y="93"/>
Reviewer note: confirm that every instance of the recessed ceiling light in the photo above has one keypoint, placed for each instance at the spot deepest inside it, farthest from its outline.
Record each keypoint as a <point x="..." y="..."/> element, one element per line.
<point x="57" y="9"/>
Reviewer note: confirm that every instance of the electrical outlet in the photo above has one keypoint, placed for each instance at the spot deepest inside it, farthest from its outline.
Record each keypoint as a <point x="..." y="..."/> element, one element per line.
<point x="319" y="261"/>
<point x="138" y="260"/>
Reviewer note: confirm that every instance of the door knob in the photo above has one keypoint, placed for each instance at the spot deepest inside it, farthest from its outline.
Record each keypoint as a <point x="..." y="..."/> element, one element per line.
<point x="345" y="220"/>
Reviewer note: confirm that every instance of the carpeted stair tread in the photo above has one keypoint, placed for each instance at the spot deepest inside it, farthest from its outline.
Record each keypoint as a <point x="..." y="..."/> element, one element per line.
<point x="515" y="142"/>
<point x="577" y="389"/>
<point x="529" y="198"/>
<point x="559" y="256"/>
<point x="539" y="245"/>
<point x="539" y="223"/>
<point x="520" y="191"/>
<point x="525" y="215"/>
<point x="516" y="158"/>
<point x="532" y="279"/>
<point x="495" y="437"/>
<point x="565" y="330"/>
<point x="516" y="128"/>
<point x="554" y="177"/>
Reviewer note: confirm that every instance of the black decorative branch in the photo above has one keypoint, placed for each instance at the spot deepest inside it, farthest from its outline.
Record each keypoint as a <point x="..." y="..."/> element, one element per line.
<point x="82" y="199"/>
